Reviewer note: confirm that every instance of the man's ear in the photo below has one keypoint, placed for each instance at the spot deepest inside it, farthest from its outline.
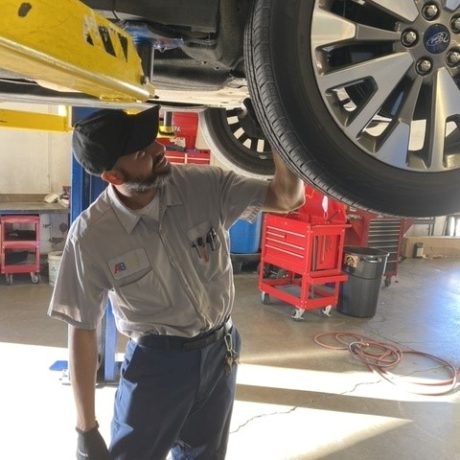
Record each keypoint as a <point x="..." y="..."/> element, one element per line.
<point x="112" y="177"/>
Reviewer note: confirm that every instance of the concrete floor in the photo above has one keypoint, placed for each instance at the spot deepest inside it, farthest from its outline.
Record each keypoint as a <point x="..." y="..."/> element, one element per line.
<point x="295" y="399"/>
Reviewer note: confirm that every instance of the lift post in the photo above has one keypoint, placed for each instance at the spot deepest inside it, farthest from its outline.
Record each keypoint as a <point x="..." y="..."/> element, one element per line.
<point x="85" y="189"/>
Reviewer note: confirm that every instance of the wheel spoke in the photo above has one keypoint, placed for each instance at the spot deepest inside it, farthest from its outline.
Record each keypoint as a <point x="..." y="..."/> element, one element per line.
<point x="234" y="127"/>
<point x="394" y="149"/>
<point x="380" y="70"/>
<point x="367" y="33"/>
<point x="406" y="9"/>
<point x="329" y="28"/>
<point x="267" y="148"/>
<point x="253" y="144"/>
<point x="386" y="80"/>
<point x="446" y="103"/>
<point x="386" y="72"/>
<point x="243" y="138"/>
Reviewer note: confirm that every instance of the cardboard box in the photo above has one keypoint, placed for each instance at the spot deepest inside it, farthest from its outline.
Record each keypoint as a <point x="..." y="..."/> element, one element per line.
<point x="433" y="246"/>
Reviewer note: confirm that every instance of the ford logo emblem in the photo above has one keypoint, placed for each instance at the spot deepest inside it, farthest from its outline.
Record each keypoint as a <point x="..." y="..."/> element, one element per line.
<point x="436" y="39"/>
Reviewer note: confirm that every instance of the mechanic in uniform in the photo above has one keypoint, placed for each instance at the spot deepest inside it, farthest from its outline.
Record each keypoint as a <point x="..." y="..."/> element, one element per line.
<point x="155" y="244"/>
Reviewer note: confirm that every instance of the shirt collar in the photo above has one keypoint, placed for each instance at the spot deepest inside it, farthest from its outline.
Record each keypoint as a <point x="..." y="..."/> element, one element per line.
<point x="169" y="195"/>
<point x="127" y="218"/>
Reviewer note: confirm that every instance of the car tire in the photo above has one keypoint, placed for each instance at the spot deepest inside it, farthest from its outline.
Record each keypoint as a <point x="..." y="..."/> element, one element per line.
<point x="237" y="142"/>
<point x="291" y="108"/>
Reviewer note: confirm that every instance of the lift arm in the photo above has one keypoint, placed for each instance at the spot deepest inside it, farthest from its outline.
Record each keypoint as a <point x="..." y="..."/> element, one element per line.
<point x="64" y="44"/>
<point x="35" y="121"/>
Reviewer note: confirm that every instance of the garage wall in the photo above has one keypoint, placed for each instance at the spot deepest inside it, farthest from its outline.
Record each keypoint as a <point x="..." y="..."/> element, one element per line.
<point x="33" y="162"/>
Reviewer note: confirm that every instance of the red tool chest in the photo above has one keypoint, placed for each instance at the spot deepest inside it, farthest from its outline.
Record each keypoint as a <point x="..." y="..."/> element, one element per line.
<point x="198" y="157"/>
<point x="20" y="246"/>
<point x="181" y="129"/>
<point x="306" y="248"/>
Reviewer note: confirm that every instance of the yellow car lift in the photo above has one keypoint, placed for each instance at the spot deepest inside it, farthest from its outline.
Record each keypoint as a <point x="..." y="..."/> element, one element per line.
<point x="64" y="44"/>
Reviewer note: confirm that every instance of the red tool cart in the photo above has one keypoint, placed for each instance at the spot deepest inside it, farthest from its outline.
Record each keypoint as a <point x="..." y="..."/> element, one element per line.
<point x="178" y="134"/>
<point x="304" y="250"/>
<point x="20" y="246"/>
<point x="379" y="232"/>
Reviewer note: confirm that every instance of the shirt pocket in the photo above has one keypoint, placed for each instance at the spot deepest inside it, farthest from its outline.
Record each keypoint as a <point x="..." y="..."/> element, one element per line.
<point x="206" y="250"/>
<point x="143" y="293"/>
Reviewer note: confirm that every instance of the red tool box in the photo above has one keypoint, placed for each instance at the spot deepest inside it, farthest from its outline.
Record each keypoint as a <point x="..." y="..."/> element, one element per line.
<point x="181" y="155"/>
<point x="304" y="250"/>
<point x="20" y="246"/>
<point x="181" y="132"/>
<point x="198" y="157"/>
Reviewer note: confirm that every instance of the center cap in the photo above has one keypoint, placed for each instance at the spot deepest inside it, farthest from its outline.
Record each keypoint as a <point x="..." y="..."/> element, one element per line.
<point x="436" y="38"/>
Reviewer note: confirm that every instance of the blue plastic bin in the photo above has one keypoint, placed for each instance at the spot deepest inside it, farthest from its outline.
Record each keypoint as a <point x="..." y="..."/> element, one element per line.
<point x="245" y="236"/>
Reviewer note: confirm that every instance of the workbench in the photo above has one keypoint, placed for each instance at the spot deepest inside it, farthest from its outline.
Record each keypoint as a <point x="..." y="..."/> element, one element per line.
<point x="29" y="204"/>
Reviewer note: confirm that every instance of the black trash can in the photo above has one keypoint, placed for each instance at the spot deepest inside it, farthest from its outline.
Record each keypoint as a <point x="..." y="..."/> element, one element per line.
<point x="360" y="294"/>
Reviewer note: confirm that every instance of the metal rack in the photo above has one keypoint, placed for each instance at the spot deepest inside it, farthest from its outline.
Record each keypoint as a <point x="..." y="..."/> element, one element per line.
<point x="379" y="232"/>
<point x="20" y="247"/>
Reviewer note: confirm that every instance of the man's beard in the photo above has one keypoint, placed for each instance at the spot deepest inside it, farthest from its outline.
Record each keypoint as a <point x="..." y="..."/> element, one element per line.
<point x="137" y="185"/>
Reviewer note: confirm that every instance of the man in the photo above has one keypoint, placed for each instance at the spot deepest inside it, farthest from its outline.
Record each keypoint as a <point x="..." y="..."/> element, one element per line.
<point x="155" y="244"/>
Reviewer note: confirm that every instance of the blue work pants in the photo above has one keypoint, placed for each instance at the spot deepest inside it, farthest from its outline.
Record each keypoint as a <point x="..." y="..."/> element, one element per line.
<point x="177" y="402"/>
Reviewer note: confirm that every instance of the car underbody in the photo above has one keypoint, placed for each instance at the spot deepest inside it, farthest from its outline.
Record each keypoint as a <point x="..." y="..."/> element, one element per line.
<point x="191" y="50"/>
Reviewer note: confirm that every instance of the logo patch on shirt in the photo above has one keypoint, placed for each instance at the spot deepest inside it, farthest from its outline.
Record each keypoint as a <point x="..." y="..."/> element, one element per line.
<point x="129" y="263"/>
<point x="120" y="267"/>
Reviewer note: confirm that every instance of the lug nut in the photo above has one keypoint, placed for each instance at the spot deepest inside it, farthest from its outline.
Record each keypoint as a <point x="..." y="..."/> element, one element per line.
<point x="453" y="58"/>
<point x="430" y="11"/>
<point x="424" y="66"/>
<point x="409" y="38"/>
<point x="455" y="24"/>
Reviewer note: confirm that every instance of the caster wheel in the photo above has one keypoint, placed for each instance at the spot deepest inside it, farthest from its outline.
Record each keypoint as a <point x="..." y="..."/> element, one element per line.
<point x="387" y="282"/>
<point x="264" y="298"/>
<point x="9" y="279"/>
<point x="326" y="311"/>
<point x="35" y="278"/>
<point x="298" y="315"/>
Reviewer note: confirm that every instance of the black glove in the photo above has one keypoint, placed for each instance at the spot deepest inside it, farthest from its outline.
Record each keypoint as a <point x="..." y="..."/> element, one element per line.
<point x="91" y="445"/>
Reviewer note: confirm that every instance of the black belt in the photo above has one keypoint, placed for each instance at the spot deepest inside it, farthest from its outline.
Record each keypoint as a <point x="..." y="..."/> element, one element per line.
<point x="176" y="343"/>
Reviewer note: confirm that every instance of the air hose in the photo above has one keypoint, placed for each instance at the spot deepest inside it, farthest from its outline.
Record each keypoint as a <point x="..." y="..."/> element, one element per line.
<point x="380" y="357"/>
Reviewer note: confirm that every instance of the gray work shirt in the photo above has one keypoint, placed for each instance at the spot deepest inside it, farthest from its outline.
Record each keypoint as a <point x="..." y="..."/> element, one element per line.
<point x="150" y="266"/>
